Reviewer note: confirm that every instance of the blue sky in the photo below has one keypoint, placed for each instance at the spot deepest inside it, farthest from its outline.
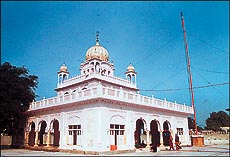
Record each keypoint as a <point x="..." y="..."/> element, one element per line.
<point x="43" y="35"/>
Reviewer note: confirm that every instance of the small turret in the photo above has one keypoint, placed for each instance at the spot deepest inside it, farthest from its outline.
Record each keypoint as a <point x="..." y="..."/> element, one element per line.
<point x="63" y="74"/>
<point x="131" y="74"/>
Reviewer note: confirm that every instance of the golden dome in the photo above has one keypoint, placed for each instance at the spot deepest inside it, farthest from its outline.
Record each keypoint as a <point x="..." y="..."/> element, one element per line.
<point x="130" y="68"/>
<point x="97" y="52"/>
<point x="63" y="68"/>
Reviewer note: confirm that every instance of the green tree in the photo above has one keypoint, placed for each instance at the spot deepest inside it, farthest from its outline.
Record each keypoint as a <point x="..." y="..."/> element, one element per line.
<point x="217" y="120"/>
<point x="192" y="126"/>
<point x="17" y="92"/>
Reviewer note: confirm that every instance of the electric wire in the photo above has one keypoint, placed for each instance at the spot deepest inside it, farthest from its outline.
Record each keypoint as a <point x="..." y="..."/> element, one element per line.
<point x="170" y="77"/>
<point x="212" y="85"/>
<point x="211" y="45"/>
<point x="154" y="52"/>
<point x="219" y="72"/>
<point x="177" y="89"/>
<point x="159" y="48"/>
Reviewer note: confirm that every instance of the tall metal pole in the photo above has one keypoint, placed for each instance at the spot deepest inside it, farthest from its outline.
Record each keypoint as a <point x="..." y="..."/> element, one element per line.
<point x="189" y="73"/>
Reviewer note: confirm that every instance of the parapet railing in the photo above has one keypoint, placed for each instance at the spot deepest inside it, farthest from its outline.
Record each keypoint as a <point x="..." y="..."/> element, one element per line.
<point x="111" y="94"/>
<point x="110" y="78"/>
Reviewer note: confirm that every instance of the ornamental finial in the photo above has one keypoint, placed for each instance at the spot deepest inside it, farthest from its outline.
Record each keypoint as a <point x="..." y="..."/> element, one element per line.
<point x="97" y="38"/>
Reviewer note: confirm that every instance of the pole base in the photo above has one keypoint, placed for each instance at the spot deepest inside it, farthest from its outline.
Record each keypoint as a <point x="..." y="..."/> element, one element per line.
<point x="197" y="140"/>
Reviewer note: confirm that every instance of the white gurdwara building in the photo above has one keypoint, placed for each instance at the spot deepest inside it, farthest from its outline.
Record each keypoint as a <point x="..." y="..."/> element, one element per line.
<point x="97" y="111"/>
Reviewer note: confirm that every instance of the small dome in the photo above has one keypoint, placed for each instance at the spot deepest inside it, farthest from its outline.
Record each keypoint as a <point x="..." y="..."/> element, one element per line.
<point x="130" y="68"/>
<point x="63" y="68"/>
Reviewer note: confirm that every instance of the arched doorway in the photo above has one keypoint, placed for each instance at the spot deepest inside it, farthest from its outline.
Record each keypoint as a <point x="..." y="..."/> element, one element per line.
<point x="117" y="132"/>
<point x="74" y="131"/>
<point x="42" y="132"/>
<point x="140" y="134"/>
<point x="166" y="133"/>
<point x="155" y="133"/>
<point x="56" y="133"/>
<point x="32" y="134"/>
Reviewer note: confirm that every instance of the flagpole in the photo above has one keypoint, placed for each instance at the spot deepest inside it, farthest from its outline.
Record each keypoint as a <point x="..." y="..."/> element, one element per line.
<point x="189" y="73"/>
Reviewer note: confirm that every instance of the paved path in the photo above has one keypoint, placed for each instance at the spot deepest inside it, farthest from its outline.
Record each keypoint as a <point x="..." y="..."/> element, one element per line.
<point x="210" y="150"/>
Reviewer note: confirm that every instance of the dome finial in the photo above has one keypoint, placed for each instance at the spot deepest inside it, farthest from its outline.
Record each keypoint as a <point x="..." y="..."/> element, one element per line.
<point x="130" y="68"/>
<point x="97" y="38"/>
<point x="63" y="68"/>
<point x="97" y="51"/>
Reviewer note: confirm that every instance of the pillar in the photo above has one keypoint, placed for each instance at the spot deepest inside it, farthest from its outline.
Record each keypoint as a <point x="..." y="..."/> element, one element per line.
<point x="135" y="79"/>
<point x="124" y="137"/>
<point x="36" y="139"/>
<point x="99" y="89"/>
<point x="161" y="139"/>
<point x="26" y="138"/>
<point x="70" y="94"/>
<point x="67" y="135"/>
<point x="48" y="139"/>
<point x="148" y="140"/>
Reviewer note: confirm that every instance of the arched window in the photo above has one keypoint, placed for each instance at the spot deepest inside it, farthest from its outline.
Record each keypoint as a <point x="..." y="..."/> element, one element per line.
<point x="133" y="78"/>
<point x="92" y="69"/>
<point x="92" y="63"/>
<point x="97" y="67"/>
<point x="129" y="77"/>
<point x="64" y="77"/>
<point x="60" y="78"/>
<point x="103" y="72"/>
<point x="32" y="134"/>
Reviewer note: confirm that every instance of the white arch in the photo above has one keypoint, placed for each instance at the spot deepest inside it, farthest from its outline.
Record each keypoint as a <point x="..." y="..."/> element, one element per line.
<point x="169" y="124"/>
<point x="144" y="122"/>
<point x="28" y="128"/>
<point x="117" y="119"/>
<point x="74" y="120"/>
<point x="50" y="124"/>
<point x="158" y="124"/>
<point x="39" y="124"/>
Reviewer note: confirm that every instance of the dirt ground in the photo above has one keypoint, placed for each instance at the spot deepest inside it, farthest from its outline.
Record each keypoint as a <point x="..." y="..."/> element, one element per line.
<point x="215" y="139"/>
<point x="217" y="136"/>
